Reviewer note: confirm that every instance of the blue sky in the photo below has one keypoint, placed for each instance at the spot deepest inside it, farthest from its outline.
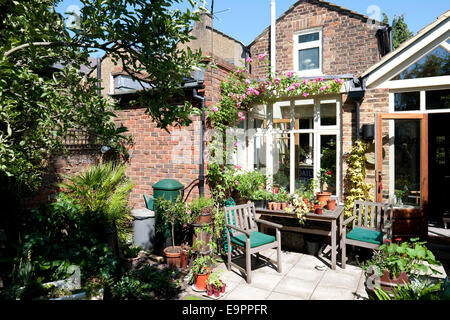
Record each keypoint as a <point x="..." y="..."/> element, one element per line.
<point x="246" y="19"/>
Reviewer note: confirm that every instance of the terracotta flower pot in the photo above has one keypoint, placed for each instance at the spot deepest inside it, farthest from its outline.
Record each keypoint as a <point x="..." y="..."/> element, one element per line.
<point x="323" y="196"/>
<point x="184" y="257"/>
<point x="331" y="204"/>
<point x="283" y="205"/>
<point x="173" y="256"/>
<point x="276" y="206"/>
<point x="270" y="205"/>
<point x="200" y="281"/>
<point x="318" y="210"/>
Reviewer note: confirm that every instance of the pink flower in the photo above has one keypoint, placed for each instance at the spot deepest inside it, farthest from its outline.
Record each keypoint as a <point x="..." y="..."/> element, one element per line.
<point x="297" y="85"/>
<point x="305" y="82"/>
<point x="238" y="104"/>
<point x="305" y="94"/>
<point x="215" y="109"/>
<point x="262" y="56"/>
<point x="320" y="79"/>
<point x="338" y="81"/>
<point x="247" y="81"/>
<point x="239" y="167"/>
<point x="249" y="60"/>
<point x="276" y="81"/>
<point x="290" y="74"/>
<point x="291" y="88"/>
<point x="322" y="88"/>
<point x="236" y="182"/>
<point x="236" y="144"/>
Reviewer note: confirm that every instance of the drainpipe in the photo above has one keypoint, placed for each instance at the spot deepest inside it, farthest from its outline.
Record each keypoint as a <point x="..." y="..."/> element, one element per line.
<point x="273" y="48"/>
<point x="201" y="176"/>
<point x="357" y="95"/>
<point x="99" y="76"/>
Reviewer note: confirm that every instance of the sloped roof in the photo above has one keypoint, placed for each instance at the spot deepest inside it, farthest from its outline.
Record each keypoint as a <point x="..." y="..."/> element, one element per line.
<point x="320" y="2"/>
<point x="422" y="33"/>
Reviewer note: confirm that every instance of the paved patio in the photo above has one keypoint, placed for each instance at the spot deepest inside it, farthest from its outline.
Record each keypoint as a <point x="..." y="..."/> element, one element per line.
<point x="304" y="277"/>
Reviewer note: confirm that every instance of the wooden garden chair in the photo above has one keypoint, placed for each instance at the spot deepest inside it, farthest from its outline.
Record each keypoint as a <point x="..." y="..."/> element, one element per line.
<point x="242" y="232"/>
<point x="372" y="225"/>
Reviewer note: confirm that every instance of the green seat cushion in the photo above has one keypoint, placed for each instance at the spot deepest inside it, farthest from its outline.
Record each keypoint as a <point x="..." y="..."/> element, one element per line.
<point x="256" y="239"/>
<point x="364" y="235"/>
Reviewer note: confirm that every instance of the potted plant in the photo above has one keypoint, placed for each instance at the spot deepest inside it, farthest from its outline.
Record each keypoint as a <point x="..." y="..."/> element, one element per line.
<point x="172" y="212"/>
<point x="201" y="210"/>
<point x="399" y="194"/>
<point x="394" y="264"/>
<point x="260" y="198"/>
<point x="323" y="176"/>
<point x="282" y="198"/>
<point x="203" y="264"/>
<point x="214" y="285"/>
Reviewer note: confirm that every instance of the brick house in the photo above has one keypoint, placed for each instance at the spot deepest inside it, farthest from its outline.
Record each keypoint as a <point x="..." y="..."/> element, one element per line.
<point x="315" y="39"/>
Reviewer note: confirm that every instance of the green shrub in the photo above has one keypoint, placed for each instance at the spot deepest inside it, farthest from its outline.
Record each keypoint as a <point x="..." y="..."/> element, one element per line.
<point x="197" y="205"/>
<point x="249" y="182"/>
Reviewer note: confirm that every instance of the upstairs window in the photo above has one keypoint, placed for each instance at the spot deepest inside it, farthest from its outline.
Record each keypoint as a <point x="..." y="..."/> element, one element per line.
<point x="308" y="53"/>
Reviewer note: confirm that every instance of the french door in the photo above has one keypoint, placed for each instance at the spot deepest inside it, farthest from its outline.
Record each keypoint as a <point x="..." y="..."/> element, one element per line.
<point x="402" y="170"/>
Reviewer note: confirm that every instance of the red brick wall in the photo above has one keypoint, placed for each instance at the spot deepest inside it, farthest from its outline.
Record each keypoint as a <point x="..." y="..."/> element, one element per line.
<point x="155" y="154"/>
<point x="349" y="42"/>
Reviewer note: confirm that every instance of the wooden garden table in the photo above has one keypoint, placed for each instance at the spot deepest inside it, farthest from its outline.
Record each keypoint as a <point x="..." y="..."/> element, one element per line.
<point x="333" y="217"/>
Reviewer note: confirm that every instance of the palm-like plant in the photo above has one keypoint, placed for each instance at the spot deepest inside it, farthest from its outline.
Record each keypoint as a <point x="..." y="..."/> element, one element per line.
<point x="102" y="188"/>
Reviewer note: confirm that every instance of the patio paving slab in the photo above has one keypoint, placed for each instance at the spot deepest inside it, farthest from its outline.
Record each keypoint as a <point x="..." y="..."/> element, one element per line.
<point x="296" y="287"/>
<point x="246" y="292"/>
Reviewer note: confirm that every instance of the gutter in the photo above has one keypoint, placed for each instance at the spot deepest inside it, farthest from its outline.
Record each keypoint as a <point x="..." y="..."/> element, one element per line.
<point x="356" y="93"/>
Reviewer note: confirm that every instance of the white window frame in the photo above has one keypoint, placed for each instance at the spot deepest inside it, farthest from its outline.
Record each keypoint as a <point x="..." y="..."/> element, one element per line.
<point x="317" y="131"/>
<point x="308" y="45"/>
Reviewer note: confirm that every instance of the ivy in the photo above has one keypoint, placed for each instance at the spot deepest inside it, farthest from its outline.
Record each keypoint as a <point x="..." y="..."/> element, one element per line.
<point x="356" y="187"/>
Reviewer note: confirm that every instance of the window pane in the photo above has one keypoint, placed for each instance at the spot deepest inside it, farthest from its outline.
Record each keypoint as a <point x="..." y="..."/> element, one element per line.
<point x="304" y="117"/>
<point x="281" y="116"/>
<point x="308" y="37"/>
<point x="436" y="63"/>
<point x="328" y="114"/>
<point x="407" y="162"/>
<point x="281" y="161"/>
<point x="304" y="159"/>
<point x="438" y="99"/>
<point x="308" y="59"/>
<point x="328" y="160"/>
<point x="259" y="156"/>
<point x="407" y="101"/>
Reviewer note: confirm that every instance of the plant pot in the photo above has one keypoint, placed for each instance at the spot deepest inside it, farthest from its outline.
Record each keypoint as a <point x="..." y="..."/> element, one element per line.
<point x="386" y="282"/>
<point x="331" y="204"/>
<point x="217" y="291"/>
<point x="276" y="206"/>
<point x="209" y="290"/>
<point x="184" y="257"/>
<point x="259" y="204"/>
<point x="283" y="205"/>
<point x="173" y="256"/>
<point x="318" y="210"/>
<point x="200" y="281"/>
<point x="323" y="196"/>
<point x="223" y="286"/>
<point x="270" y="205"/>
<point x="205" y="216"/>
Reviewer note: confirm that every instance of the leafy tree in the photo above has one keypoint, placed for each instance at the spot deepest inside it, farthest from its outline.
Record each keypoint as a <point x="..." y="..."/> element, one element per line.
<point x="41" y="107"/>
<point x="401" y="32"/>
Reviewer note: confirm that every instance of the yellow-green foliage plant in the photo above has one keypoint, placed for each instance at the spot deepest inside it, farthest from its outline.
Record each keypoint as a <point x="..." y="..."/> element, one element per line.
<point x="356" y="187"/>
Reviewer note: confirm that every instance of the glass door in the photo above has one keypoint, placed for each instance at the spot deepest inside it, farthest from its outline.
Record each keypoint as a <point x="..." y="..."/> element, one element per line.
<point x="402" y="170"/>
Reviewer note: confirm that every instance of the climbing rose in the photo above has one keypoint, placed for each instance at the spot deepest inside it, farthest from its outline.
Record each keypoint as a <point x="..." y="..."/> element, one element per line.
<point x="249" y="60"/>
<point x="236" y="182"/>
<point x="235" y="144"/>
<point x="247" y="81"/>
<point x="290" y="73"/>
<point x="262" y="56"/>
<point x="305" y="94"/>
<point x="215" y="109"/>
<point x="329" y="172"/>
